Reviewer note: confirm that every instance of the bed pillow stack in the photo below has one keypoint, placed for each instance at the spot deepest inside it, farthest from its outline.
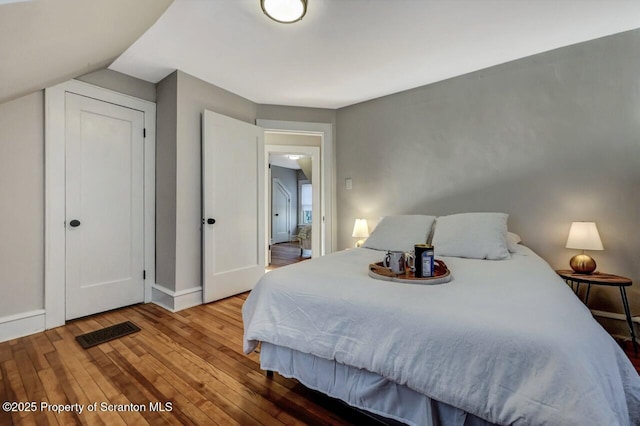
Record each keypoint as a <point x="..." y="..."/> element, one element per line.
<point x="513" y="240"/>
<point x="400" y="233"/>
<point x="472" y="235"/>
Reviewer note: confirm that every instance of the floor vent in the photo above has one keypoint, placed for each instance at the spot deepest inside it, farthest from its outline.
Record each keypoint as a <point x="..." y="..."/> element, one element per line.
<point x="106" y="334"/>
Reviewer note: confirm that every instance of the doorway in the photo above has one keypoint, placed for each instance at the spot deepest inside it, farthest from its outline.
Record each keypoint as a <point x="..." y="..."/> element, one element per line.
<point x="291" y="209"/>
<point x="298" y="237"/>
<point x="65" y="207"/>
<point x="289" y="132"/>
<point x="104" y="205"/>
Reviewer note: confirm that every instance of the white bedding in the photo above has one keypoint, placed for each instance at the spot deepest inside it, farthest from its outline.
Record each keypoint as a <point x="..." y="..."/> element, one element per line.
<point x="505" y="340"/>
<point x="363" y="389"/>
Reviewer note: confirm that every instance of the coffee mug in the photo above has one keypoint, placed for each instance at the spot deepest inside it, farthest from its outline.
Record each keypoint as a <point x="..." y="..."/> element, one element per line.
<point x="394" y="260"/>
<point x="410" y="261"/>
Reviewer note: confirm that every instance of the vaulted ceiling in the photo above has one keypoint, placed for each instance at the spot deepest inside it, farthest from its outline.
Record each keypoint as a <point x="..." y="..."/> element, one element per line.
<point x="342" y="52"/>
<point x="347" y="51"/>
<point x="44" y="42"/>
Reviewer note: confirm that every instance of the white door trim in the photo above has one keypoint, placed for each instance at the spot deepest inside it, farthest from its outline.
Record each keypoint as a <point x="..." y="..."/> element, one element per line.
<point x="54" y="268"/>
<point x="328" y="180"/>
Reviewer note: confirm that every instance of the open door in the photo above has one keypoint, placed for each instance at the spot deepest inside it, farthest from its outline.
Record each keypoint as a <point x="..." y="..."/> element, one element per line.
<point x="233" y="226"/>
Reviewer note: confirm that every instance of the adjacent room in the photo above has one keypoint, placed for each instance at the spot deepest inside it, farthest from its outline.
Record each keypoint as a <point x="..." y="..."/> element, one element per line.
<point x="291" y="209"/>
<point x="267" y="212"/>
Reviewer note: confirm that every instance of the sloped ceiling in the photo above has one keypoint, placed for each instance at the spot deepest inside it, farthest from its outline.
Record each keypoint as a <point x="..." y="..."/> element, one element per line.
<point x="281" y="160"/>
<point x="45" y="42"/>
<point x="348" y="51"/>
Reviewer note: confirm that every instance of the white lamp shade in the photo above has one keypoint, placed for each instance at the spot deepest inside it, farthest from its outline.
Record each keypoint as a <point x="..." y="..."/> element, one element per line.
<point x="584" y="236"/>
<point x="360" y="229"/>
<point x="285" y="11"/>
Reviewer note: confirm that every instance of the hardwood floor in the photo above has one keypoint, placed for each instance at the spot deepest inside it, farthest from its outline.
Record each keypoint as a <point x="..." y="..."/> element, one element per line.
<point x="627" y="346"/>
<point x="284" y="254"/>
<point x="191" y="360"/>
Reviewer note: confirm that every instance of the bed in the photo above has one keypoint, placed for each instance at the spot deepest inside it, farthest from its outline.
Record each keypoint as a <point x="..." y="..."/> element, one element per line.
<point x="505" y="342"/>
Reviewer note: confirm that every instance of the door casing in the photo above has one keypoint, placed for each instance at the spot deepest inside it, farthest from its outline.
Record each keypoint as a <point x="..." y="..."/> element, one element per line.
<point x="55" y="216"/>
<point x="328" y="211"/>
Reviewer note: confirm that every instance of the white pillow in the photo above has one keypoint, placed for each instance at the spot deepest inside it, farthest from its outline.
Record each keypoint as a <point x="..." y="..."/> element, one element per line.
<point x="513" y="240"/>
<point x="473" y="235"/>
<point x="400" y="233"/>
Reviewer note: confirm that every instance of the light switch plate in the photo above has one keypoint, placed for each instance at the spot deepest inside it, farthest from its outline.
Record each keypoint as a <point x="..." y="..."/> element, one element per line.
<point x="348" y="183"/>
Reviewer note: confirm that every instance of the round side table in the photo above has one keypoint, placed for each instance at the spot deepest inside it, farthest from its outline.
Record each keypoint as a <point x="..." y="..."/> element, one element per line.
<point x="601" y="279"/>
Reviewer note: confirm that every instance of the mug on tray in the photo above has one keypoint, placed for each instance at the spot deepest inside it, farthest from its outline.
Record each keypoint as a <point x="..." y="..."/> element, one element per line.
<point x="395" y="261"/>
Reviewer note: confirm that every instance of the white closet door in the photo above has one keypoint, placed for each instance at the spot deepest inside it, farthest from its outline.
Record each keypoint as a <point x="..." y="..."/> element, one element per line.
<point x="104" y="206"/>
<point x="280" y="213"/>
<point x="232" y="205"/>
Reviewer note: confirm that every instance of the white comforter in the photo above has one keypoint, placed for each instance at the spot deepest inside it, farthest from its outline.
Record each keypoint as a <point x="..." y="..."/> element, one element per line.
<point x="505" y="340"/>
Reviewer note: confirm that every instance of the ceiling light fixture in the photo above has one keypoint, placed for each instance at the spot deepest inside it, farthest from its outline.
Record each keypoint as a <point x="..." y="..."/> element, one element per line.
<point x="284" y="11"/>
<point x="294" y="157"/>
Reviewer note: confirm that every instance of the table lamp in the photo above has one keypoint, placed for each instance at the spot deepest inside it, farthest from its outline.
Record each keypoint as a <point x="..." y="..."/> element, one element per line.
<point x="360" y="230"/>
<point x="583" y="236"/>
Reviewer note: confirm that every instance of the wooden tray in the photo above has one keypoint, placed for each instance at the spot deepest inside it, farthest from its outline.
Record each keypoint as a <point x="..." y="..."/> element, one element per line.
<point x="442" y="274"/>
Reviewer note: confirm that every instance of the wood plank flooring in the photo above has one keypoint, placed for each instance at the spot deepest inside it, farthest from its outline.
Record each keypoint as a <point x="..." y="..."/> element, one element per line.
<point x="627" y="346"/>
<point x="284" y="254"/>
<point x="188" y="365"/>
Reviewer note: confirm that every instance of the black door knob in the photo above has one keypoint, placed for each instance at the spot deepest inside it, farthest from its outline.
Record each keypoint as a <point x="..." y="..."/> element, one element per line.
<point x="74" y="223"/>
<point x="277" y="214"/>
<point x="211" y="221"/>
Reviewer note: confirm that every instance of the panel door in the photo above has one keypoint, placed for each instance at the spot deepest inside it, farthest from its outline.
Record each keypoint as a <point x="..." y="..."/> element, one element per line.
<point x="280" y="213"/>
<point x="104" y="206"/>
<point x="233" y="206"/>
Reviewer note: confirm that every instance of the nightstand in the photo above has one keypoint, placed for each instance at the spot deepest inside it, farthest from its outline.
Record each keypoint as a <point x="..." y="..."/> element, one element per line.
<point x="608" y="280"/>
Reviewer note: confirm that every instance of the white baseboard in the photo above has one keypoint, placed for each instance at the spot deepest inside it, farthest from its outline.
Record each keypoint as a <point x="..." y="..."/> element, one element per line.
<point x="175" y="301"/>
<point x="22" y="324"/>
<point x="26" y="323"/>
<point x="616" y="324"/>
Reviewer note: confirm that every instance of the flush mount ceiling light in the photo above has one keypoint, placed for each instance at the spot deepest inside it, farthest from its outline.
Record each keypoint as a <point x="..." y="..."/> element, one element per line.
<point x="294" y="157"/>
<point x="284" y="11"/>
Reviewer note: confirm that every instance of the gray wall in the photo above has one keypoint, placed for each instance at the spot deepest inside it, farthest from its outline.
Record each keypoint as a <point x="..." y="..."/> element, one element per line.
<point x="289" y="179"/>
<point x="22" y="204"/>
<point x="22" y="195"/>
<point x="122" y="83"/>
<point x="549" y="139"/>
<point x="182" y="233"/>
<point x="166" y="148"/>
<point x="292" y="139"/>
<point x="181" y="100"/>
<point x="289" y="113"/>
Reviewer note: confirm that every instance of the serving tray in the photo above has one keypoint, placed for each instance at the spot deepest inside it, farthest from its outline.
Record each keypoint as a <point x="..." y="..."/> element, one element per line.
<point x="442" y="274"/>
